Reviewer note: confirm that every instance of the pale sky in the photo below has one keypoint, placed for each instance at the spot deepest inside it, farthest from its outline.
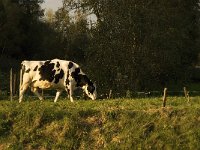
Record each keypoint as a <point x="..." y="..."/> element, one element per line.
<point x="55" y="4"/>
<point x="51" y="4"/>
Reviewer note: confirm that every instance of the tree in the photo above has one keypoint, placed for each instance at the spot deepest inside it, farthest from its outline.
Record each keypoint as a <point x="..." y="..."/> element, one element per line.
<point x="73" y="32"/>
<point x="138" y="43"/>
<point x="23" y="33"/>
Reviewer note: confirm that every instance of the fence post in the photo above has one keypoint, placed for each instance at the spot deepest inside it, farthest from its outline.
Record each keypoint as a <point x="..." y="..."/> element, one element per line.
<point x="14" y="84"/>
<point x="110" y="94"/>
<point x="186" y="94"/>
<point x="11" y="88"/>
<point x="164" y="97"/>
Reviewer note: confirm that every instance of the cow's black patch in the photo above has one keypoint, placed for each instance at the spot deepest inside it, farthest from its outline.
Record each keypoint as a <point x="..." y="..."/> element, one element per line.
<point x="28" y="70"/>
<point x="70" y="65"/>
<point x="77" y="70"/>
<point x="23" y="67"/>
<point x="91" y="88"/>
<point x="68" y="91"/>
<point x="67" y="79"/>
<point x="46" y="71"/>
<point x="58" y="64"/>
<point x="35" y="69"/>
<point x="59" y="76"/>
<point x="75" y="74"/>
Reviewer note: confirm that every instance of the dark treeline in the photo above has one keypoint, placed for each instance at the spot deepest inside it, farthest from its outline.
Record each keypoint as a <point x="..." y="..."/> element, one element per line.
<point x="22" y="33"/>
<point x="134" y="45"/>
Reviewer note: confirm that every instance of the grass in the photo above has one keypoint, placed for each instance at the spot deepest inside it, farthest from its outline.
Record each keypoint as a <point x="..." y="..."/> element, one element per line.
<point x="102" y="124"/>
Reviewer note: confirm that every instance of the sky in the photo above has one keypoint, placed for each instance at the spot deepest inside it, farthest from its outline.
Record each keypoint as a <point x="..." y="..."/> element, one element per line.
<point x="55" y="4"/>
<point x="51" y="4"/>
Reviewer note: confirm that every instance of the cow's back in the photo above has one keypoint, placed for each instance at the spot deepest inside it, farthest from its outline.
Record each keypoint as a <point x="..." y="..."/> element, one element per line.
<point x="47" y="74"/>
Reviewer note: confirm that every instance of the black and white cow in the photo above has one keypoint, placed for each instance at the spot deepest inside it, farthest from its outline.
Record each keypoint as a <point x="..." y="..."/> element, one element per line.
<point x="55" y="74"/>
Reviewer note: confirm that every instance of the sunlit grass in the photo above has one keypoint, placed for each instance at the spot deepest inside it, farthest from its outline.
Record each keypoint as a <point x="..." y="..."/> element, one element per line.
<point x="140" y="123"/>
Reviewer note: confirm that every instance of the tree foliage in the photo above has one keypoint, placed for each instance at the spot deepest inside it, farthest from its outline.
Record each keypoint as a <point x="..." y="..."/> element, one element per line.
<point x="71" y="24"/>
<point x="138" y="43"/>
<point x="23" y="34"/>
<point x="134" y="45"/>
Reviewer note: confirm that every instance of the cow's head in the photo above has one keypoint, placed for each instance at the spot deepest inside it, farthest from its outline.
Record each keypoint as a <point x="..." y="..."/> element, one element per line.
<point x="90" y="90"/>
<point x="84" y="82"/>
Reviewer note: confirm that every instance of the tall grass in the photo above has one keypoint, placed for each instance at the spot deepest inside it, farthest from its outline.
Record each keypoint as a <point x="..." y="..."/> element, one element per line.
<point x="105" y="124"/>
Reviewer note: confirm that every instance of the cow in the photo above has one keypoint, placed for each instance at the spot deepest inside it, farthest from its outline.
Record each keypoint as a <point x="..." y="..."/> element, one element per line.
<point x="57" y="74"/>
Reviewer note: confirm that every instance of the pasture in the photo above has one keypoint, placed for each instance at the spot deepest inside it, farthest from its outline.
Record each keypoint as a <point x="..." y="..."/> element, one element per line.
<point x="139" y="123"/>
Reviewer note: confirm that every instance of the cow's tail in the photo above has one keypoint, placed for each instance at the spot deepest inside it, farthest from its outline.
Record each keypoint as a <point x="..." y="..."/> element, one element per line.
<point x="22" y="69"/>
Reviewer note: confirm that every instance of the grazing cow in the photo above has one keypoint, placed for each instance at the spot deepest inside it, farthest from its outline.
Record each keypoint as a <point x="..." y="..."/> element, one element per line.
<point x="55" y="74"/>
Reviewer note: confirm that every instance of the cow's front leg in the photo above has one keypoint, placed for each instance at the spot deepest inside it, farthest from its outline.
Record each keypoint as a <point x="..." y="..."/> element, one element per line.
<point x="70" y="90"/>
<point x="23" y="88"/>
<point x="70" y="94"/>
<point x="57" y="95"/>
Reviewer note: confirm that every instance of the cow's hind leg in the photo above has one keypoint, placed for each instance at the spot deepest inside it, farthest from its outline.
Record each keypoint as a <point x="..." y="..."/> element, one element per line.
<point x="70" y="93"/>
<point x="57" y="95"/>
<point x="23" y="89"/>
<point x="35" y="91"/>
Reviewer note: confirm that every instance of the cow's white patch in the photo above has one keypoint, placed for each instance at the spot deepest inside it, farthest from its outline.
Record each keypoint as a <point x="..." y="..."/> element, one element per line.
<point x="42" y="84"/>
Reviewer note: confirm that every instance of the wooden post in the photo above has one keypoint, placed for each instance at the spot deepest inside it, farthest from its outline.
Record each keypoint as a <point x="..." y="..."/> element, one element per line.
<point x="186" y="93"/>
<point x="188" y="97"/>
<point x="164" y="97"/>
<point x="110" y="94"/>
<point x="11" y="88"/>
<point x="14" y="84"/>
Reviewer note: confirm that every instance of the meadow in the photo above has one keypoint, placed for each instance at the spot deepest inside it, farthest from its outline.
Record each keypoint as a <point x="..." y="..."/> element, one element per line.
<point x="138" y="123"/>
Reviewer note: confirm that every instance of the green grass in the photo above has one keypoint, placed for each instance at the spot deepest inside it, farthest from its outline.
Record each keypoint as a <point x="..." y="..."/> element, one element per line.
<point x="106" y="124"/>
